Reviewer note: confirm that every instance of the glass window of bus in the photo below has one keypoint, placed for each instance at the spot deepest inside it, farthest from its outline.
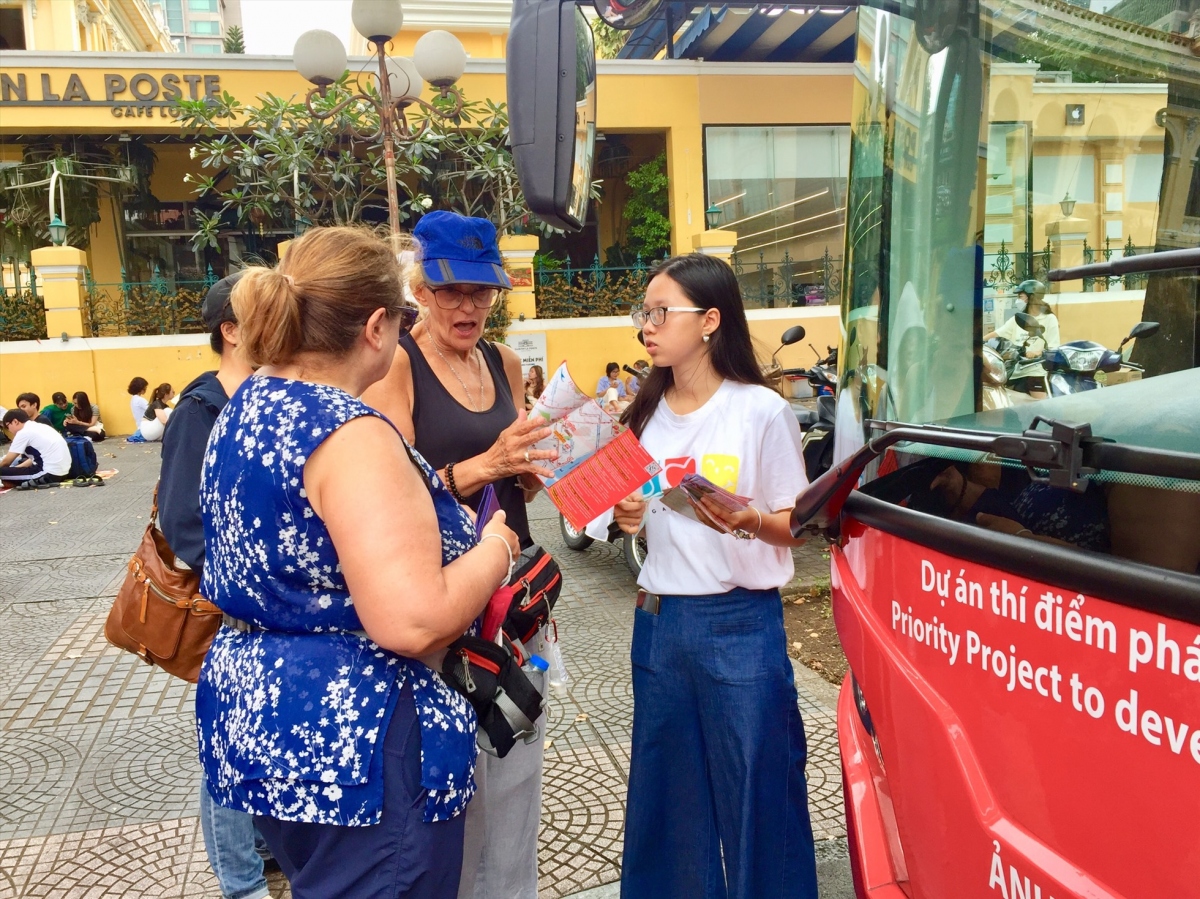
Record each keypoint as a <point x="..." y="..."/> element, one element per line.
<point x="989" y="149"/>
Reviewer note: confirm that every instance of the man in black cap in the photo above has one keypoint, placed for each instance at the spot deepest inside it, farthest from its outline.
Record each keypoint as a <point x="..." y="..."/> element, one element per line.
<point x="229" y="836"/>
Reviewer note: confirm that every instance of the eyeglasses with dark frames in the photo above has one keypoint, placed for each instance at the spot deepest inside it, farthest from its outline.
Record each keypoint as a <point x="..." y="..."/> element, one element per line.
<point x="657" y="315"/>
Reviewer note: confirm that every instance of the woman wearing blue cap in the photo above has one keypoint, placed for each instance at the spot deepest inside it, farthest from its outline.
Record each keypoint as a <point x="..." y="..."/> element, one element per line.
<point x="460" y="400"/>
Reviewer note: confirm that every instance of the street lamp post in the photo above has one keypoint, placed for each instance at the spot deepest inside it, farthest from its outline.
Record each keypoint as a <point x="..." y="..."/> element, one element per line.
<point x="438" y="58"/>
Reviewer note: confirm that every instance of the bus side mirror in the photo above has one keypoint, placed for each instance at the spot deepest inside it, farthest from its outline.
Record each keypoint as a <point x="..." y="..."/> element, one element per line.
<point x="626" y="14"/>
<point x="552" y="109"/>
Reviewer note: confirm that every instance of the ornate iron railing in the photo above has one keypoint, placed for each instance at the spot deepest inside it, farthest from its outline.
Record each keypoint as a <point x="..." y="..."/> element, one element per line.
<point x="157" y="306"/>
<point x="565" y="292"/>
<point x="22" y="313"/>
<point x="788" y="282"/>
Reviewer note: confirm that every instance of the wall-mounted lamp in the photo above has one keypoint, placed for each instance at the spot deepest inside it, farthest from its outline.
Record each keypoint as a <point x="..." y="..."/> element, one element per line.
<point x="1067" y="205"/>
<point x="58" y="231"/>
<point x="712" y="215"/>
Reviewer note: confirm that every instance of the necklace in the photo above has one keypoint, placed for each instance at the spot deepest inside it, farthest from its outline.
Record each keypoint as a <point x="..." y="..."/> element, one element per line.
<point x="461" y="382"/>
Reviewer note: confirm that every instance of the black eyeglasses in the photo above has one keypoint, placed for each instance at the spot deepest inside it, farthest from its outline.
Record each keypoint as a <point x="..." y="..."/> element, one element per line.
<point x="408" y="318"/>
<point x="452" y="297"/>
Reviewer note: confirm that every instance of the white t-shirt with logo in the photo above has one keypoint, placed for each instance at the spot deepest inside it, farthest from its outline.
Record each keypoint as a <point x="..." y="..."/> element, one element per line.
<point x="745" y="439"/>
<point x="50" y="445"/>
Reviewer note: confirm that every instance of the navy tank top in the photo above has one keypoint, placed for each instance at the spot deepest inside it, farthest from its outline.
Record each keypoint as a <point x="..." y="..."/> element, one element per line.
<point x="447" y="431"/>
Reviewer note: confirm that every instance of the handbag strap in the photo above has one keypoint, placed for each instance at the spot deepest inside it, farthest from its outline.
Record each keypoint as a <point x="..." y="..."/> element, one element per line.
<point x="154" y="507"/>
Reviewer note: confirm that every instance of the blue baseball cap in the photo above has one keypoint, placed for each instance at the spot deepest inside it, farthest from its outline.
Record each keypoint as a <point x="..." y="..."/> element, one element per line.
<point x="456" y="249"/>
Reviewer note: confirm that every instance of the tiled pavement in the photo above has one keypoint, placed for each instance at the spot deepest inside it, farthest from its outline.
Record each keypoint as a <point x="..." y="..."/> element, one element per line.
<point x="98" y="773"/>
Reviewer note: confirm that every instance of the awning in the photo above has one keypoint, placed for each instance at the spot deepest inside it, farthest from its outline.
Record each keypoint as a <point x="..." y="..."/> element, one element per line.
<point x="764" y="33"/>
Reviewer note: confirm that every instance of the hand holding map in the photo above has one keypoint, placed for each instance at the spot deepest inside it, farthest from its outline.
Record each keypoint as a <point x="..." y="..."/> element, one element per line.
<point x="600" y="461"/>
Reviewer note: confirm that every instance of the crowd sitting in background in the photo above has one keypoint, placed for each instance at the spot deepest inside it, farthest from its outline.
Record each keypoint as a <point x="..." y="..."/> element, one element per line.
<point x="137" y="400"/>
<point x="38" y="455"/>
<point x="535" y="385"/>
<point x="84" y="418"/>
<point x="56" y="413"/>
<point x="154" y="419"/>
<point x="634" y="382"/>
<point x="31" y="405"/>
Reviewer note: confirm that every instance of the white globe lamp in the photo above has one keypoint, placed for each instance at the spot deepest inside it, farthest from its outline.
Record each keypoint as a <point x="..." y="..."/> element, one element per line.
<point x="377" y="20"/>
<point x="440" y="58"/>
<point x="320" y="57"/>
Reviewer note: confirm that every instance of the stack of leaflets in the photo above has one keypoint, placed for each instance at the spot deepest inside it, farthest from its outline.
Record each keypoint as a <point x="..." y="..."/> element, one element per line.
<point x="685" y="498"/>
<point x="600" y="461"/>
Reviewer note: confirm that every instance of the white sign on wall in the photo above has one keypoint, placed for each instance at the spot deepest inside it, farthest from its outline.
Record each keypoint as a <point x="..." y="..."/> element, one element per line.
<point x="531" y="347"/>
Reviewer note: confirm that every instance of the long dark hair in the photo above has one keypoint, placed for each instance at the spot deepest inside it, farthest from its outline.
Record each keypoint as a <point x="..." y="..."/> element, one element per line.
<point x="83" y="406"/>
<point x="710" y="284"/>
<point x="161" y="392"/>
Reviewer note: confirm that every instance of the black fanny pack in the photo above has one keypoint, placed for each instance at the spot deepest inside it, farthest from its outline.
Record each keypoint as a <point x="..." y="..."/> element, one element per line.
<point x="506" y="703"/>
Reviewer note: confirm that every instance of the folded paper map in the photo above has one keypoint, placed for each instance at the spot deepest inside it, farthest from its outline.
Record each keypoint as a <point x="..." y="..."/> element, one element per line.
<point x="600" y="461"/>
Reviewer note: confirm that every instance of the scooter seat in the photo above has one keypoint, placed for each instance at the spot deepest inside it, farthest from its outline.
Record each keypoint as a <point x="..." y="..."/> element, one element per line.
<point x="806" y="417"/>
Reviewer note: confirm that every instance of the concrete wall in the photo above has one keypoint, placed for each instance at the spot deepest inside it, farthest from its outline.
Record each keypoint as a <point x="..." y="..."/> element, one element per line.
<point x="104" y="366"/>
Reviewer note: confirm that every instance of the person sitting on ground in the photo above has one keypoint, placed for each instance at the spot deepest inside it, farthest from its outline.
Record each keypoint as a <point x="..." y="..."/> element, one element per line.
<point x="38" y="455"/>
<point x="634" y="382"/>
<point x="236" y="850"/>
<point x="58" y="410"/>
<point x="154" y="420"/>
<point x="535" y="386"/>
<point x="31" y="405"/>
<point x="84" y="419"/>
<point x="137" y="400"/>
<point x="611" y="380"/>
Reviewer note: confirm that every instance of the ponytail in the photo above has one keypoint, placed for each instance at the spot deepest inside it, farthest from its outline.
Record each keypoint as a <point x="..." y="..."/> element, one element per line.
<point x="317" y="299"/>
<point x="267" y="308"/>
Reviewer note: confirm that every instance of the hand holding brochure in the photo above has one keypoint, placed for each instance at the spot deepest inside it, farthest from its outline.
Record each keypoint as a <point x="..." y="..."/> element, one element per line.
<point x="600" y="461"/>
<point x="685" y="499"/>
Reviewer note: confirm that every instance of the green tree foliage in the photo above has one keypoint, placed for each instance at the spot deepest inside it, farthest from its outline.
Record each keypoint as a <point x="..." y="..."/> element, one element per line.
<point x="649" y="228"/>
<point x="275" y="163"/>
<point x="609" y="40"/>
<point x="235" y="40"/>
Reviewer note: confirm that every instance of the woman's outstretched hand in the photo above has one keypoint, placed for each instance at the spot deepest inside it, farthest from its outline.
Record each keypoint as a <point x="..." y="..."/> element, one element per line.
<point x="513" y="452"/>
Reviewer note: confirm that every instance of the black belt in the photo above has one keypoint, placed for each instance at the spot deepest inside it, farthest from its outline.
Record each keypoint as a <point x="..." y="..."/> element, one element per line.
<point x="249" y="627"/>
<point x="649" y="602"/>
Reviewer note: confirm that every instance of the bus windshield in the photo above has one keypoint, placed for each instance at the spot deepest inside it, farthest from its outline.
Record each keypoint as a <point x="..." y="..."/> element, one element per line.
<point x="992" y="144"/>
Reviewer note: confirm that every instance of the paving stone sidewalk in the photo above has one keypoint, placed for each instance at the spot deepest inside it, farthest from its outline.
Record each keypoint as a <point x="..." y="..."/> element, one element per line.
<point x="98" y="769"/>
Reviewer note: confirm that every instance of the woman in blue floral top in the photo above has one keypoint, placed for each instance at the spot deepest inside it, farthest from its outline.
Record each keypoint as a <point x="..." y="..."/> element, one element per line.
<point x="339" y="560"/>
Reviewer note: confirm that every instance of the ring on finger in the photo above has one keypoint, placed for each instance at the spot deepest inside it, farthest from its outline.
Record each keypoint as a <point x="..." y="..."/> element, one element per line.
<point x="527" y="455"/>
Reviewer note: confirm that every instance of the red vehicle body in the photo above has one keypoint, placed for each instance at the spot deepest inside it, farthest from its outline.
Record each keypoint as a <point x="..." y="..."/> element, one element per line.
<point x="1034" y="761"/>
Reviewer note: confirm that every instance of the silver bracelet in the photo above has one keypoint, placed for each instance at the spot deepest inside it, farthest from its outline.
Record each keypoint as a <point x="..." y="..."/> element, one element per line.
<point x="508" y="552"/>
<point x="746" y="535"/>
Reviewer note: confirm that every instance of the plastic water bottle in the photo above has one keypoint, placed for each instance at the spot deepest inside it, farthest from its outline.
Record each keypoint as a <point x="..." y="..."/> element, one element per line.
<point x="559" y="679"/>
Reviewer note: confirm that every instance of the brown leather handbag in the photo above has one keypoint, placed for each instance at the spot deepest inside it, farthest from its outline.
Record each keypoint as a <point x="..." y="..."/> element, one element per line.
<point x="158" y="614"/>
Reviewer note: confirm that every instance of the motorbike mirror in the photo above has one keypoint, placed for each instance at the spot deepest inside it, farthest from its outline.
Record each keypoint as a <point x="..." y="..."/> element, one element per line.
<point x="794" y="334"/>
<point x="1143" y="329"/>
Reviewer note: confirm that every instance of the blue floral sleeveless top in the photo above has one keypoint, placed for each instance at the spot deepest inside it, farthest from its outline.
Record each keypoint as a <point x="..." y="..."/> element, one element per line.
<point x="291" y="720"/>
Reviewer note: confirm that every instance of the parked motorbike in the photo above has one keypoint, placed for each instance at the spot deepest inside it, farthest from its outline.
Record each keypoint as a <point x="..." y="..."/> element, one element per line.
<point x="633" y="547"/>
<point x="773" y="371"/>
<point x="1085" y="365"/>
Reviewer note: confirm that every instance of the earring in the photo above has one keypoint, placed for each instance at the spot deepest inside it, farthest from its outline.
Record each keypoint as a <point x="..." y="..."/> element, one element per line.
<point x="705" y="338"/>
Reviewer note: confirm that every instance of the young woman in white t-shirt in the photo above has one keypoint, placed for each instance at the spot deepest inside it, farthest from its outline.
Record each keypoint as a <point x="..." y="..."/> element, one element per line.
<point x="717" y="801"/>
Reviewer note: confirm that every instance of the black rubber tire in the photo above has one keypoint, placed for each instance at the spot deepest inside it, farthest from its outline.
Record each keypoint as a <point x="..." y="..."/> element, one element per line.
<point x="634" y="548"/>
<point x="576" y="540"/>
